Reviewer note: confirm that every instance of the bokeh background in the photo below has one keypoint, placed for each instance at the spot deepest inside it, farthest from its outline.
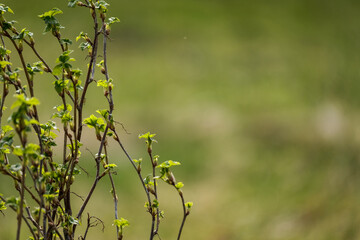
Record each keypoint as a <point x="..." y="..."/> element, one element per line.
<point x="259" y="101"/>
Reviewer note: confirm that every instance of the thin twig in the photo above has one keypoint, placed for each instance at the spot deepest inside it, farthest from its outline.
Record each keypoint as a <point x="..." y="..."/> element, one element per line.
<point x="141" y="180"/>
<point x="115" y="197"/>
<point x="153" y="164"/>
<point x="186" y="213"/>
<point x="22" y="195"/>
<point x="82" y="198"/>
<point x="90" y="73"/>
<point x="92" y="224"/>
<point x="33" y="221"/>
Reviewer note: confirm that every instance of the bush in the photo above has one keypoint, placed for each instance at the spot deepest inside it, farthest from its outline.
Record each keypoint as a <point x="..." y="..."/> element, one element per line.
<point x="44" y="203"/>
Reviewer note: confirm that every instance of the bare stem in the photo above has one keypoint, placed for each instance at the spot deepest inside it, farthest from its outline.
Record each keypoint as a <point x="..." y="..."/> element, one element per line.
<point x="115" y="197"/>
<point x="97" y="177"/>
<point x="141" y="180"/>
<point x="153" y="164"/>
<point x="186" y="213"/>
<point x="21" y="206"/>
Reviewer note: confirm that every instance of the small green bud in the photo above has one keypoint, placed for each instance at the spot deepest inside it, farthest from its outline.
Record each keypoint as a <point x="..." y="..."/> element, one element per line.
<point x="98" y="136"/>
<point x="151" y="190"/>
<point x="81" y="4"/>
<point x="32" y="42"/>
<point x="20" y="46"/>
<point x="115" y="138"/>
<point x="42" y="188"/>
<point x="112" y="126"/>
<point x="107" y="29"/>
<point x="171" y="178"/>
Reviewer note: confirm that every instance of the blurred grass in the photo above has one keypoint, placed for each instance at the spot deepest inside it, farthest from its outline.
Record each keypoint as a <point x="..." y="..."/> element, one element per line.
<point x="258" y="100"/>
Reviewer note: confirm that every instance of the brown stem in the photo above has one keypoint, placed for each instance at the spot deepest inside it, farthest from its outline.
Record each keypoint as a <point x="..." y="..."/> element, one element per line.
<point x="141" y="180"/>
<point x="26" y="188"/>
<point x="20" y="214"/>
<point x="90" y="73"/>
<point x="186" y="213"/>
<point x="156" y="192"/>
<point x="97" y="177"/>
<point x="33" y="221"/>
<point x="74" y="160"/>
<point x="115" y="197"/>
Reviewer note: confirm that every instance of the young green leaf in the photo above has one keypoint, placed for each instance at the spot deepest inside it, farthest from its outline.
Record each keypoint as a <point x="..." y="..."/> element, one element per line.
<point x="112" y="20"/>
<point x="188" y="206"/>
<point x="168" y="164"/>
<point x="122" y="222"/>
<point x="24" y="101"/>
<point x="51" y="22"/>
<point x="73" y="3"/>
<point x="4" y="51"/>
<point x="179" y="185"/>
<point x="2" y="206"/>
<point x="110" y="166"/>
<point x="13" y="202"/>
<point x="3" y="64"/>
<point x="6" y="128"/>
<point x="5" y="9"/>
<point x="102" y="6"/>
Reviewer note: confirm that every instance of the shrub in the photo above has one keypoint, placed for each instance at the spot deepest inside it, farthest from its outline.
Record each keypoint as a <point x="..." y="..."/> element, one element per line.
<point x="27" y="143"/>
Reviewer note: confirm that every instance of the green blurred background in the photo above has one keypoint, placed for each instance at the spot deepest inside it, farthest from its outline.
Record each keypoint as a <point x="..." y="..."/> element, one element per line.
<point x="259" y="101"/>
